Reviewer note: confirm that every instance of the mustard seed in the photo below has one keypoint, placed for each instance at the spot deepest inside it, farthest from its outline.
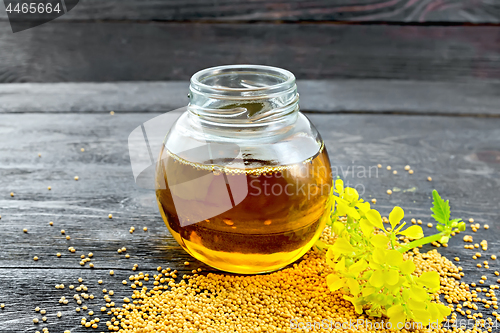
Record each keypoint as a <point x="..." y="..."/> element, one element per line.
<point x="76" y="178"/>
<point x="82" y="149"/>
<point x="145" y="228"/>
<point x="429" y="179"/>
<point x="429" y="225"/>
<point x="410" y="172"/>
<point x="110" y="216"/>
<point x="35" y="258"/>
<point x="395" y="172"/>
<point x="407" y="167"/>
<point x="11" y="194"/>
<point x="111" y="272"/>
<point x="51" y="223"/>
<point x="49" y="188"/>
<point x="35" y="320"/>
<point x="389" y="192"/>
<point x="25" y="230"/>
<point x="68" y="237"/>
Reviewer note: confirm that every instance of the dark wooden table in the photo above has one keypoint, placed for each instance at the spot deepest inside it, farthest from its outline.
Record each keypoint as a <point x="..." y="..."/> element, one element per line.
<point x="460" y="150"/>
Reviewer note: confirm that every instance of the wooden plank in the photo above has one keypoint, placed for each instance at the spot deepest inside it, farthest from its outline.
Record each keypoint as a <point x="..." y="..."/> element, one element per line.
<point x="461" y="154"/>
<point x="479" y="98"/>
<point x="124" y="51"/>
<point x="481" y="11"/>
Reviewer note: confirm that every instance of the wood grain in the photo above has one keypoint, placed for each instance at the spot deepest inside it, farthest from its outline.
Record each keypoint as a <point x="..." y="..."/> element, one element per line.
<point x="152" y="51"/>
<point x="472" y="11"/>
<point x="476" y="97"/>
<point x="461" y="154"/>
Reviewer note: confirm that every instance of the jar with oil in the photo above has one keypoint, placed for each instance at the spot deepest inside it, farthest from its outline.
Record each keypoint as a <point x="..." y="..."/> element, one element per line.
<point x="243" y="177"/>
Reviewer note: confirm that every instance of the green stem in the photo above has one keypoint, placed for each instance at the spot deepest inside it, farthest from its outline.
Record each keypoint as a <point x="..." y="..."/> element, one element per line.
<point x="421" y="241"/>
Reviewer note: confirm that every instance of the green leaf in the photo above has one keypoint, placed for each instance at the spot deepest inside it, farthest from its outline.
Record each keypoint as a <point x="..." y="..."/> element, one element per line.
<point x="413" y="232"/>
<point x="430" y="280"/>
<point x="380" y="240"/>
<point x="377" y="278"/>
<point x="375" y="219"/>
<point x="441" y="209"/>
<point x="334" y="282"/>
<point x="396" y="216"/>
<point x="394" y="258"/>
<point x="407" y="267"/>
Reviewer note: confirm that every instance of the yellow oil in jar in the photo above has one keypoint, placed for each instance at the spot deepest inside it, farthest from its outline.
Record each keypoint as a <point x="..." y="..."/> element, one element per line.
<point x="273" y="224"/>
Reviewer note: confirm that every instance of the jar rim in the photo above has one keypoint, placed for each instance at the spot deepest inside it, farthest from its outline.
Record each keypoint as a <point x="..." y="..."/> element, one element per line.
<point x="200" y="76"/>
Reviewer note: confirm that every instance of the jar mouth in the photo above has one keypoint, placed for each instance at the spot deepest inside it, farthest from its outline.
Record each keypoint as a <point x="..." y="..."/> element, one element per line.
<point x="243" y="80"/>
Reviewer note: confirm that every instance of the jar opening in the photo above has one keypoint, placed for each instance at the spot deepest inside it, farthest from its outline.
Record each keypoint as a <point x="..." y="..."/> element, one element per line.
<point x="255" y="80"/>
<point x="243" y="96"/>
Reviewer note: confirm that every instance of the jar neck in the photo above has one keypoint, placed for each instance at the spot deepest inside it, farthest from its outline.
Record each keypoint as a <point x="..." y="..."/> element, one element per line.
<point x="243" y="97"/>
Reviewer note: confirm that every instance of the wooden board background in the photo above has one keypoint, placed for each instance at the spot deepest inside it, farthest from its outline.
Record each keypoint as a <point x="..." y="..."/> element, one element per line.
<point x="461" y="154"/>
<point x="103" y="41"/>
<point x="472" y="11"/>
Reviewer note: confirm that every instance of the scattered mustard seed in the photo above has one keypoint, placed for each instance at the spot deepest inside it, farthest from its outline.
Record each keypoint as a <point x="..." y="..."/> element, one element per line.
<point x="35" y="258"/>
<point x="68" y="237"/>
<point x="429" y="225"/>
<point x="388" y="167"/>
<point x="111" y="272"/>
<point x="11" y="194"/>
<point x="410" y="172"/>
<point x="146" y="228"/>
<point x="58" y="254"/>
<point x="49" y="188"/>
<point x="110" y="216"/>
<point x="63" y="232"/>
<point x="389" y="192"/>
<point x="186" y="263"/>
<point x="35" y="320"/>
<point x="429" y="179"/>
<point x="112" y="113"/>
<point x="100" y="281"/>
<point x="51" y="223"/>
<point x="82" y="149"/>
<point x="395" y="172"/>
<point x="407" y="167"/>
<point x="76" y="178"/>
<point x="493" y="257"/>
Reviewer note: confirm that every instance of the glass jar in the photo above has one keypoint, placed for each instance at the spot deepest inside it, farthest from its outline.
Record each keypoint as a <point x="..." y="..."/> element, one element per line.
<point x="243" y="177"/>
